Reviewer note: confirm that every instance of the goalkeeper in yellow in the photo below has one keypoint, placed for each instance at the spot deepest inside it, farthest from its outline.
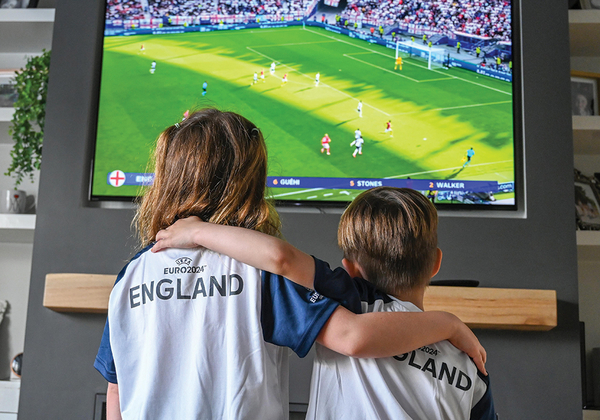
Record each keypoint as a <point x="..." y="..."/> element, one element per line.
<point x="398" y="64"/>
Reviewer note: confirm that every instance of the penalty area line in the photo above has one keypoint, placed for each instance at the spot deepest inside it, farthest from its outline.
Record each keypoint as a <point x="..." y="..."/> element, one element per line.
<point x="381" y="68"/>
<point x="453" y="107"/>
<point x="395" y="73"/>
<point x="414" y="64"/>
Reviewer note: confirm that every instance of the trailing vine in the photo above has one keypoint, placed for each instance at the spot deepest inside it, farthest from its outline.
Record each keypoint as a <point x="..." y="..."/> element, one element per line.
<point x="27" y="124"/>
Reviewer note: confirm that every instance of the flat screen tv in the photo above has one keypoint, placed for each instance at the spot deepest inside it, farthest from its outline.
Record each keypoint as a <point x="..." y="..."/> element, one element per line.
<point x="349" y="94"/>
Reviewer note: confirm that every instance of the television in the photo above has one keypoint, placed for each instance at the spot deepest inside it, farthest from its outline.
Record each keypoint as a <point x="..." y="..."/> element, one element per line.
<point x="348" y="94"/>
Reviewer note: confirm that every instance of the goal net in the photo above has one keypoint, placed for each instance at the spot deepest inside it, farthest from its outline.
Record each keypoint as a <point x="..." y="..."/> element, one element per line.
<point x="435" y="57"/>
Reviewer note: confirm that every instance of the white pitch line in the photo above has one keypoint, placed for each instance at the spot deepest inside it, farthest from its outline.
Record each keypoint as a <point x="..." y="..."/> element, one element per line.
<point x="436" y="71"/>
<point x="327" y="195"/>
<point x="472" y="105"/>
<point x="354" y="45"/>
<point x="381" y="68"/>
<point x="324" y="84"/>
<point x="293" y="43"/>
<point x="452" y="107"/>
<point x="395" y="73"/>
<point x="311" y="197"/>
<point x="366" y="52"/>
<point x="475" y="83"/>
<point x="500" y="175"/>
<point x="298" y="192"/>
<point x="271" y="58"/>
<point x="447" y="169"/>
<point x="435" y="80"/>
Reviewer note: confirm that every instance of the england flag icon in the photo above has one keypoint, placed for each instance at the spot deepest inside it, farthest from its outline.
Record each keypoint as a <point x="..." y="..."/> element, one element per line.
<point x="116" y="178"/>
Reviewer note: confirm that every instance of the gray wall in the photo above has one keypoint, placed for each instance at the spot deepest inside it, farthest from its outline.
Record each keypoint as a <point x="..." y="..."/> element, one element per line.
<point x="534" y="375"/>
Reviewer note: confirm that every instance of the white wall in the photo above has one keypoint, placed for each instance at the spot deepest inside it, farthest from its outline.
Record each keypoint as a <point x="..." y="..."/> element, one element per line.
<point x="15" y="271"/>
<point x="7" y="182"/>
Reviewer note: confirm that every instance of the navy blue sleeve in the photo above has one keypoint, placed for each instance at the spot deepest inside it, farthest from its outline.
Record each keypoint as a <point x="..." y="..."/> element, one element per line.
<point x="350" y="292"/>
<point x="292" y="315"/>
<point x="104" y="363"/>
<point x="484" y="409"/>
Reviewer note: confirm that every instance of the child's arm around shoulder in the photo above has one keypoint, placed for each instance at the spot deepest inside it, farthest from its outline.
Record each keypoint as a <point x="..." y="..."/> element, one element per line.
<point x="378" y="334"/>
<point x="254" y="248"/>
<point x="386" y="334"/>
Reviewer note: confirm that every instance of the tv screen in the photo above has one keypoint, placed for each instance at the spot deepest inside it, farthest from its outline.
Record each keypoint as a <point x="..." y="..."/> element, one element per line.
<point x="349" y="94"/>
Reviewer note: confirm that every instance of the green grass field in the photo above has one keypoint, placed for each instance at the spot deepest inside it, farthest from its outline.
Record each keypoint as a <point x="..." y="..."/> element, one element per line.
<point x="436" y="114"/>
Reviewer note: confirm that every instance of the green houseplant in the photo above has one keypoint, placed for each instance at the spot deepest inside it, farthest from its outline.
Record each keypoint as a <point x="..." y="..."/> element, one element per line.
<point x="27" y="124"/>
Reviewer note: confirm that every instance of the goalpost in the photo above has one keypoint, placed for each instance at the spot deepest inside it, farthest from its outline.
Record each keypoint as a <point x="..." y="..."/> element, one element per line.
<point x="435" y="57"/>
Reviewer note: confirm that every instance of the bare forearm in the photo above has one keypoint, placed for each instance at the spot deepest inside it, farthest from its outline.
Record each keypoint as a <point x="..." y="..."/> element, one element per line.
<point x="113" y="406"/>
<point x="258" y="250"/>
<point x="248" y="246"/>
<point x="386" y="334"/>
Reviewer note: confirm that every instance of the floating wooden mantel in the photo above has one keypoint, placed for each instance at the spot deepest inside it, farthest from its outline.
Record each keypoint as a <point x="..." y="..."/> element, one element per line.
<point x="478" y="307"/>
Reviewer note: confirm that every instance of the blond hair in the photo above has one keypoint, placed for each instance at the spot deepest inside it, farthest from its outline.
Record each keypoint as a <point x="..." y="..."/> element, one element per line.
<point x="212" y="165"/>
<point x="392" y="234"/>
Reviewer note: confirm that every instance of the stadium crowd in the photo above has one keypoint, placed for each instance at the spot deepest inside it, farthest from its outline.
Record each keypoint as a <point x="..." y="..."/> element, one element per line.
<point x="123" y="9"/>
<point x="486" y="18"/>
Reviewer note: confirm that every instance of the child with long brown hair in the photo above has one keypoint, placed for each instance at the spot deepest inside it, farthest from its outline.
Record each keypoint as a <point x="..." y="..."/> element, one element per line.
<point x="190" y="333"/>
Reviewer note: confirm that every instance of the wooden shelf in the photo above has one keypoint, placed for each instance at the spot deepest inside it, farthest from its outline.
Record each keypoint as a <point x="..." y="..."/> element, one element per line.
<point x="507" y="309"/>
<point x="515" y="309"/>
<point x="584" y="29"/>
<point x="586" y="135"/>
<point x="588" y="237"/>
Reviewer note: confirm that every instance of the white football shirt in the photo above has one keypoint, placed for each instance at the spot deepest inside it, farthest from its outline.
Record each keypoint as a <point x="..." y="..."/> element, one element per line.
<point x="358" y="142"/>
<point x="185" y="337"/>
<point x="435" y="382"/>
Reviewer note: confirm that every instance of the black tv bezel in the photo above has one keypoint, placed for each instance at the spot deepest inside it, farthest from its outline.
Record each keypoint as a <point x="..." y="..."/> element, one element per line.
<point x="518" y="135"/>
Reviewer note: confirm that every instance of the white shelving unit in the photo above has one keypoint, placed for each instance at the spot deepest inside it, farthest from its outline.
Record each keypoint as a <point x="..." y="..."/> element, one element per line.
<point x="584" y="28"/>
<point x="17" y="228"/>
<point x="9" y="399"/>
<point x="6" y="114"/>
<point x="23" y="33"/>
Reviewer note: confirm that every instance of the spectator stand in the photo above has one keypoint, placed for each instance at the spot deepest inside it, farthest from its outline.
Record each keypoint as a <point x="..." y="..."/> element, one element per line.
<point x="406" y="18"/>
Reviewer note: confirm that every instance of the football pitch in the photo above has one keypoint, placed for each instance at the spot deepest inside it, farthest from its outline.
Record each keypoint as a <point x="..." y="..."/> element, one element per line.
<point x="436" y="115"/>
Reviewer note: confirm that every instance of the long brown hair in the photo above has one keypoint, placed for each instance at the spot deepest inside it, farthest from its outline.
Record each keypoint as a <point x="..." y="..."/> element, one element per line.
<point x="212" y="165"/>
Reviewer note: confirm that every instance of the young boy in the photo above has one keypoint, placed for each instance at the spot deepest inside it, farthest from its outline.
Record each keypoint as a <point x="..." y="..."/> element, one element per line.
<point x="389" y="239"/>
